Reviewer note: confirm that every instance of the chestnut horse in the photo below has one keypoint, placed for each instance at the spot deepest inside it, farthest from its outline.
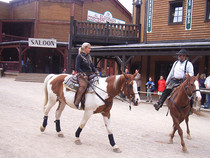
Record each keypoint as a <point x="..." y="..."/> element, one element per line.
<point x="180" y="106"/>
<point x="107" y="89"/>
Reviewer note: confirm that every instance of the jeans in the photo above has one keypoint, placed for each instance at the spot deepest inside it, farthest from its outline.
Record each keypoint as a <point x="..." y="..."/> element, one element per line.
<point x="207" y="100"/>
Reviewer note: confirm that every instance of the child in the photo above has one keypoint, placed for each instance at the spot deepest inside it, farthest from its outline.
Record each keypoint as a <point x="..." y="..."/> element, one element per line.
<point x="150" y="88"/>
<point x="161" y="86"/>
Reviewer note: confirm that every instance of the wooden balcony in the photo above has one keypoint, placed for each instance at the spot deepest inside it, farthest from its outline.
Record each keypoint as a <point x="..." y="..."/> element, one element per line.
<point x="105" y="33"/>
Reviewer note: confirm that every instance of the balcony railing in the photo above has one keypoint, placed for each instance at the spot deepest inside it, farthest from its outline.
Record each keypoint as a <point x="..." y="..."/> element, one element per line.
<point x="105" y="33"/>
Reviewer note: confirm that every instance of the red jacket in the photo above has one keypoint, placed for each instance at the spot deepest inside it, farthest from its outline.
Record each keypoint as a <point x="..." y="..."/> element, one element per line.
<point x="161" y="85"/>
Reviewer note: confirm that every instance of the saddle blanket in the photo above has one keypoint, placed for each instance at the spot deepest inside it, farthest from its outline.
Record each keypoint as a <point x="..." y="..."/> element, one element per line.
<point x="72" y="84"/>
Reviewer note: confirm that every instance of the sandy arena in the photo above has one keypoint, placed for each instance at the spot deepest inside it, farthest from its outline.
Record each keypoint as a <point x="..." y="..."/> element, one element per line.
<point x="141" y="132"/>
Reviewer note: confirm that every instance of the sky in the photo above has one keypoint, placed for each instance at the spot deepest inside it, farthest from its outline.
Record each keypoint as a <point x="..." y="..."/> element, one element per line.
<point x="127" y="3"/>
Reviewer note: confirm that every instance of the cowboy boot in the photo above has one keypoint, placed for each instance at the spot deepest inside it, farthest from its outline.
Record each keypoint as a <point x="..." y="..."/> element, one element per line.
<point x="163" y="97"/>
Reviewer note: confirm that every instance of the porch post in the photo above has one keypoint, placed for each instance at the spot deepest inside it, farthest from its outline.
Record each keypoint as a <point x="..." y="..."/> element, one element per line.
<point x="123" y="63"/>
<point x="0" y="31"/>
<point x="69" y="56"/>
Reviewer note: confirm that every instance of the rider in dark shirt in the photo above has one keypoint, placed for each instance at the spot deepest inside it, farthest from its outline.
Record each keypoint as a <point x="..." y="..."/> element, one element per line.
<point x="85" y="67"/>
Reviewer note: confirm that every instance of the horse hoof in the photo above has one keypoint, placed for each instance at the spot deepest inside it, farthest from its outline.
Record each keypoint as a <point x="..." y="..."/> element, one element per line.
<point x="189" y="137"/>
<point x="60" y="134"/>
<point x="78" y="142"/>
<point x="42" y="129"/>
<point x="117" y="150"/>
<point x="170" y="141"/>
<point x="184" y="149"/>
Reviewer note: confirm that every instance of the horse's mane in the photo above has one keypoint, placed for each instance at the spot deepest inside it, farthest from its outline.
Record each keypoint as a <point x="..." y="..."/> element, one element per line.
<point x="115" y="79"/>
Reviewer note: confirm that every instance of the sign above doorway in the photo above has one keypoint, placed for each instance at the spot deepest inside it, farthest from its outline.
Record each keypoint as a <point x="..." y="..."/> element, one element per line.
<point x="38" y="42"/>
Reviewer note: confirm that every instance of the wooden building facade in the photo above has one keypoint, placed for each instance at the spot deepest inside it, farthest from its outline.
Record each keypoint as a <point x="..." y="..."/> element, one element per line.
<point x="164" y="28"/>
<point x="167" y="26"/>
<point x="49" y="19"/>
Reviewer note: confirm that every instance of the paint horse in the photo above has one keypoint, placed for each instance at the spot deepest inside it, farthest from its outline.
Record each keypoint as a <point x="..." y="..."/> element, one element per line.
<point x="107" y="89"/>
<point x="180" y="106"/>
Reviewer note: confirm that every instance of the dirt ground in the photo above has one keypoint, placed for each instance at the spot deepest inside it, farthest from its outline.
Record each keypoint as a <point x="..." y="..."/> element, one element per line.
<point x="141" y="132"/>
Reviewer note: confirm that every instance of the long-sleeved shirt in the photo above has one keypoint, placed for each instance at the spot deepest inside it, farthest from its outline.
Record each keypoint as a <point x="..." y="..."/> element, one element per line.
<point x="84" y="63"/>
<point x="207" y="82"/>
<point x="178" y="70"/>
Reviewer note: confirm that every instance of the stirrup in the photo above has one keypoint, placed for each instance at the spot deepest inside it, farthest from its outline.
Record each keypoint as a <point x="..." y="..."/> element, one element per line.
<point x="157" y="106"/>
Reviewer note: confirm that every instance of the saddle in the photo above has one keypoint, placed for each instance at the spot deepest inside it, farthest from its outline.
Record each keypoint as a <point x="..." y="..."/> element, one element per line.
<point x="71" y="83"/>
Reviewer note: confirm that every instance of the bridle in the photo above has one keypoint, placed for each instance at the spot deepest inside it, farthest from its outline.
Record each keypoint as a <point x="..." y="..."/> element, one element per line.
<point x="188" y="88"/>
<point x="128" y="88"/>
<point x="190" y="97"/>
<point x="128" y="85"/>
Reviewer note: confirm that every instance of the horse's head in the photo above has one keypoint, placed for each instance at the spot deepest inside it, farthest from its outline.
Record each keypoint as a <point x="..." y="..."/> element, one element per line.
<point x="130" y="88"/>
<point x="193" y="86"/>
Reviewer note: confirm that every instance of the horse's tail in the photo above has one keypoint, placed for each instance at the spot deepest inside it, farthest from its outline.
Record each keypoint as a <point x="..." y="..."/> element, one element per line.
<point x="197" y="112"/>
<point x="45" y="89"/>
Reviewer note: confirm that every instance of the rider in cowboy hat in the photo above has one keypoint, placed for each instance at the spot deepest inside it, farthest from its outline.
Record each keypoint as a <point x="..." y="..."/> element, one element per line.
<point x="176" y="76"/>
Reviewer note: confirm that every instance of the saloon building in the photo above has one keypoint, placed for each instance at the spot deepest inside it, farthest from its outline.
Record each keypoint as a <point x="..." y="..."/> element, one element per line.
<point x="149" y="42"/>
<point x="40" y="30"/>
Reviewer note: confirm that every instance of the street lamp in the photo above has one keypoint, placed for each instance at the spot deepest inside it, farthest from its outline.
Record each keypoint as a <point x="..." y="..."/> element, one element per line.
<point x="138" y="4"/>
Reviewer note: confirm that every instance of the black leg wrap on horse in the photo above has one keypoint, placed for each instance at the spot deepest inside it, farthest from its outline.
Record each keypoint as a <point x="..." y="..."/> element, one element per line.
<point x="45" y="121"/>
<point x="111" y="139"/>
<point x="58" y="128"/>
<point x="79" y="130"/>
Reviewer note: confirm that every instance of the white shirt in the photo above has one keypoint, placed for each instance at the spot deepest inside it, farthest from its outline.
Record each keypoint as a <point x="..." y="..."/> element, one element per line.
<point x="207" y="82"/>
<point x="177" y="70"/>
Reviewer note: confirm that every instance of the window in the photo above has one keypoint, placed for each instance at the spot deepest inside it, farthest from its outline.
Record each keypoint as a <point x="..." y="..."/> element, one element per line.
<point x="176" y="12"/>
<point x="207" y="17"/>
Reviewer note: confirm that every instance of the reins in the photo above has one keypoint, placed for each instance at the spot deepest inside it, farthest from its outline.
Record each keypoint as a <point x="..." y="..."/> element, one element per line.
<point x="106" y="103"/>
<point x="188" y="96"/>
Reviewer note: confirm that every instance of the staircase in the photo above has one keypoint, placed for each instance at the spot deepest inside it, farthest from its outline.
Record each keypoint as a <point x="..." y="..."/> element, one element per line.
<point x="30" y="77"/>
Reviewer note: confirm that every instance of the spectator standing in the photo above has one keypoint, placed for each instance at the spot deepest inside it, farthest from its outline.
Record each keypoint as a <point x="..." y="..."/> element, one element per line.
<point x="73" y="72"/>
<point x="202" y="85"/>
<point x="126" y="71"/>
<point x="64" y="71"/>
<point x="161" y="86"/>
<point x="150" y="88"/>
<point x="28" y="65"/>
<point x="23" y="66"/>
<point x="207" y="85"/>
<point x="138" y="80"/>
<point x="2" y="71"/>
<point x="99" y="71"/>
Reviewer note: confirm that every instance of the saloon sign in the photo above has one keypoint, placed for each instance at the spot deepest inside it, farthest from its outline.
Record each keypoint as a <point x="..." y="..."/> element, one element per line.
<point x="46" y="43"/>
<point x="102" y="18"/>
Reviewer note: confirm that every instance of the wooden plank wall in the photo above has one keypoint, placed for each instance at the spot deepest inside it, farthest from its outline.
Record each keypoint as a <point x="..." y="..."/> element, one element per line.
<point x="4" y="10"/>
<point x="24" y="11"/>
<point x="55" y="11"/>
<point x="161" y="31"/>
<point x="58" y="31"/>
